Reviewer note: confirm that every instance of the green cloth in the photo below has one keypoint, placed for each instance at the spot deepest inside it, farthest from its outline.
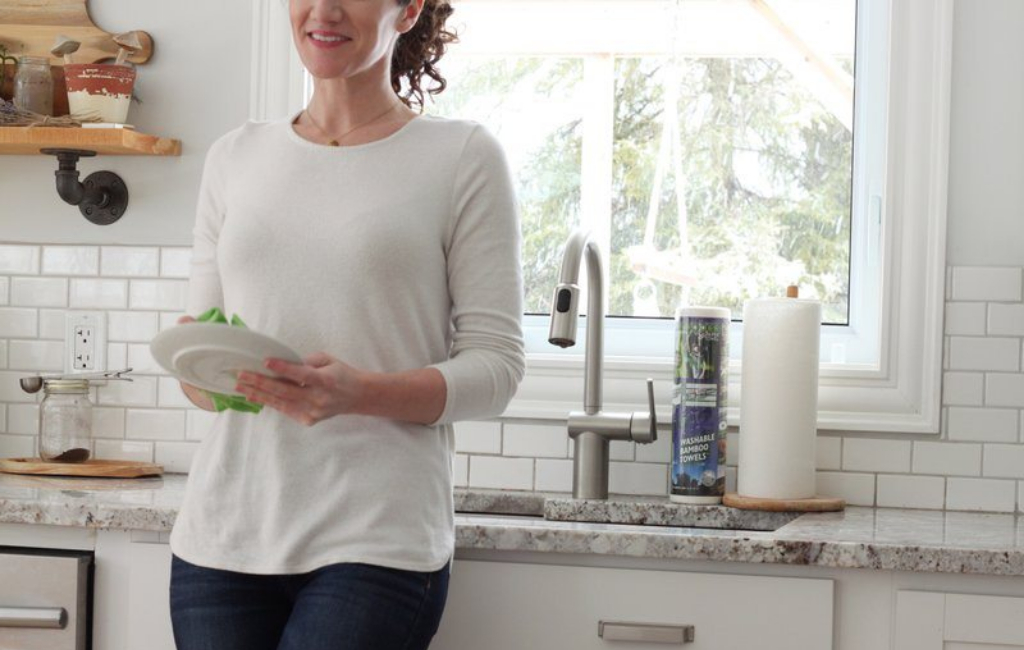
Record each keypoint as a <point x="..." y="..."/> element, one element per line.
<point x="223" y="402"/>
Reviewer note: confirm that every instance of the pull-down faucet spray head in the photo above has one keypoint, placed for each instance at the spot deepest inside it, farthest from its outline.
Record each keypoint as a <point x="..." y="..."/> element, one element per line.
<point x="564" y="311"/>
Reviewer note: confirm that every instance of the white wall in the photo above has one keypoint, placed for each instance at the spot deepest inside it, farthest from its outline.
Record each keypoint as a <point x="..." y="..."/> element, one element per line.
<point x="986" y="192"/>
<point x="195" y="88"/>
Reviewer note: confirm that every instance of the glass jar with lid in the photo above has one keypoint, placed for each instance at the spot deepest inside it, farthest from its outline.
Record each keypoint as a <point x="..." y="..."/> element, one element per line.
<point x="65" y="421"/>
<point x="33" y="85"/>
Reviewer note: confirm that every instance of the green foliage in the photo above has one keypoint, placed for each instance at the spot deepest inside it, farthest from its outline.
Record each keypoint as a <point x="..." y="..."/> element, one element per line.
<point x="766" y="176"/>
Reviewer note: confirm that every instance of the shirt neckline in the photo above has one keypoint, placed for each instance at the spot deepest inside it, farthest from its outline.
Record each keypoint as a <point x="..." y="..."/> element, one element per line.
<point x="289" y="125"/>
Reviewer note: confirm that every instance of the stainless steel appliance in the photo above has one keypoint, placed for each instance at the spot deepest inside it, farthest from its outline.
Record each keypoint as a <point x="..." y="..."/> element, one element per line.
<point x="45" y="599"/>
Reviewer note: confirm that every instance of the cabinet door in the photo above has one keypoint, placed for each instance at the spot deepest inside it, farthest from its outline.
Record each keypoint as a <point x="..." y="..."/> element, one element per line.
<point x="941" y="621"/>
<point x="508" y="606"/>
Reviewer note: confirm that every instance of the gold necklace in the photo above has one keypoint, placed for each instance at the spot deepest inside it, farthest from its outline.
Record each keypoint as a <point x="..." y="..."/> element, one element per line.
<point x="334" y="142"/>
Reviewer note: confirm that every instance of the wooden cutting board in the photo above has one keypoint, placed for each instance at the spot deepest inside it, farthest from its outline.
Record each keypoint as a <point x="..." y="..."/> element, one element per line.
<point x="814" y="504"/>
<point x="30" y="27"/>
<point x="92" y="467"/>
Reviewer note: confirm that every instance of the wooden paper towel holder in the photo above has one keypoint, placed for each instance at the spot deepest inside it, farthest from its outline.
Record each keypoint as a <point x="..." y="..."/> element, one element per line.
<point x="813" y="504"/>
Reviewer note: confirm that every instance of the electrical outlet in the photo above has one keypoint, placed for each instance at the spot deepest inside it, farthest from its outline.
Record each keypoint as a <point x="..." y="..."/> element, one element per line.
<point x="85" y="343"/>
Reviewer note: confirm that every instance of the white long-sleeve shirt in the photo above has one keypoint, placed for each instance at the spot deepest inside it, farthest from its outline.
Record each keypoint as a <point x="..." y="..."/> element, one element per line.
<point x="398" y="254"/>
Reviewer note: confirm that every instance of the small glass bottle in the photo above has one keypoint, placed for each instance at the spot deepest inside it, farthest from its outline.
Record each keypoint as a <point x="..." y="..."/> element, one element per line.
<point x="65" y="421"/>
<point x="33" y="85"/>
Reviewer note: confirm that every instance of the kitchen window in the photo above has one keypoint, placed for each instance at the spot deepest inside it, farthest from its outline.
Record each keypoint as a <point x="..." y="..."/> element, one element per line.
<point x="718" y="151"/>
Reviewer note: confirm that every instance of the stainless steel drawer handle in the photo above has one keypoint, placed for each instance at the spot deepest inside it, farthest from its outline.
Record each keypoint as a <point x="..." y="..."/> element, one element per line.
<point x="650" y="632"/>
<point x="48" y="617"/>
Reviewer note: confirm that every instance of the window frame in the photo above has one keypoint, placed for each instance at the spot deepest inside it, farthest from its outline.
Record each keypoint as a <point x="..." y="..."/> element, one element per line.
<point x="903" y="392"/>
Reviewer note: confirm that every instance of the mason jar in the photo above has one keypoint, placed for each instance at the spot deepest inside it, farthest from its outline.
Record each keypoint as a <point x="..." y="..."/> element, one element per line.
<point x="65" y="421"/>
<point x="33" y="85"/>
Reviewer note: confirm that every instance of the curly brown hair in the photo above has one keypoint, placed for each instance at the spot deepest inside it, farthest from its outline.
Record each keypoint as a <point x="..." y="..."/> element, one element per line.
<point x="418" y="51"/>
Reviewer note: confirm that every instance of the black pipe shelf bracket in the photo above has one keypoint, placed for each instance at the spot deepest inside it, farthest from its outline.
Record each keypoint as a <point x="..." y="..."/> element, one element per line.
<point x="102" y="198"/>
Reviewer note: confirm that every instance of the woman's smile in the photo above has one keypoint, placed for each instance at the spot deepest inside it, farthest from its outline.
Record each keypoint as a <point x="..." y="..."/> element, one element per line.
<point x="325" y="39"/>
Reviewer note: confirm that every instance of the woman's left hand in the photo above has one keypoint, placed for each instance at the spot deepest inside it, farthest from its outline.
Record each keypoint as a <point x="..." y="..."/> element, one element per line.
<point x="315" y="390"/>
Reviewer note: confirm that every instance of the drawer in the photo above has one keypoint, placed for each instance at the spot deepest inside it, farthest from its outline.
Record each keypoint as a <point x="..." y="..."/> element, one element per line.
<point x="509" y="606"/>
<point x="44" y="599"/>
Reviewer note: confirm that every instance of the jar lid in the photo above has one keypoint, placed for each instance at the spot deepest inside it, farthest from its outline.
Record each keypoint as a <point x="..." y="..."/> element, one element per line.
<point x="66" y="385"/>
<point x="34" y="60"/>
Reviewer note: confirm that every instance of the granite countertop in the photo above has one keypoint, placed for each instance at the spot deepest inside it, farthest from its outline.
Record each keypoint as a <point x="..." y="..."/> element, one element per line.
<point x="866" y="538"/>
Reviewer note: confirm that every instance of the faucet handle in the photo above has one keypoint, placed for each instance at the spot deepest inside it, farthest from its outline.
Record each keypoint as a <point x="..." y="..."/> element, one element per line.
<point x="643" y="427"/>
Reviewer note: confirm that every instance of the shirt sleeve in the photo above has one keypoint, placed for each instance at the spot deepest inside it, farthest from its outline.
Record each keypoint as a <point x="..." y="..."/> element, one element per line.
<point x="487" y="358"/>
<point x="204" y="284"/>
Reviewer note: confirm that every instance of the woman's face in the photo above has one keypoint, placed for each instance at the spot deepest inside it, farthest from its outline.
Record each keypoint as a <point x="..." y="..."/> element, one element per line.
<point x="341" y="38"/>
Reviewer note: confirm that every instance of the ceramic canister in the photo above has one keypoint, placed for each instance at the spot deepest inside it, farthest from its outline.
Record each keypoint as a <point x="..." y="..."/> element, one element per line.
<point x="100" y="90"/>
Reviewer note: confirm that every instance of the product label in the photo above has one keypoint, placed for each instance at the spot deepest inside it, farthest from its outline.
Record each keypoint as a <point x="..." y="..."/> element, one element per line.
<point x="699" y="407"/>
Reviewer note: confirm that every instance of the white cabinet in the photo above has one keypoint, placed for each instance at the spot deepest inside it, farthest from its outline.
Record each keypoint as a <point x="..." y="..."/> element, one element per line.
<point x="132" y="608"/>
<point x="511" y="606"/>
<point x="946" y="621"/>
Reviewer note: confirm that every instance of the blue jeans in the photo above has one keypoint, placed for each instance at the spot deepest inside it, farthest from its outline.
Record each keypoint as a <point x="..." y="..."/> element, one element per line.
<point x="341" y="606"/>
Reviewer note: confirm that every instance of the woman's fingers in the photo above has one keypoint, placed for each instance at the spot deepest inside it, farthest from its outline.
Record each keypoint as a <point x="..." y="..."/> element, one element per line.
<point x="298" y="373"/>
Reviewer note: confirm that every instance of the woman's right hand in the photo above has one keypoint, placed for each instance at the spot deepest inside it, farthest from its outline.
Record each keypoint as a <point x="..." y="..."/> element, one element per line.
<point x="195" y="394"/>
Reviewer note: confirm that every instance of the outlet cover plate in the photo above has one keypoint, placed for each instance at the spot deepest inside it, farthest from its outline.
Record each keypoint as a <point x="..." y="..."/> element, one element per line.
<point x="86" y="331"/>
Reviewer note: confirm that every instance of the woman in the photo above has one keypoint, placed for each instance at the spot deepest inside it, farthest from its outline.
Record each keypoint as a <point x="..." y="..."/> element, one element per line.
<point x="386" y="241"/>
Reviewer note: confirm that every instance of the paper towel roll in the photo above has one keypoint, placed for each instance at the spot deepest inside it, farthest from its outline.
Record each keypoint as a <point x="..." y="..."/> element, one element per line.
<point x="779" y="398"/>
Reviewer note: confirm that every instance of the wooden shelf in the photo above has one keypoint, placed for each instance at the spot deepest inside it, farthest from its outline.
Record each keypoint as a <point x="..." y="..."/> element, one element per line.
<point x="28" y="140"/>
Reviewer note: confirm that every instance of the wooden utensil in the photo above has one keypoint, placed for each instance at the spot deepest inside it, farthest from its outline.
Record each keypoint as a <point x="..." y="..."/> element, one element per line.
<point x="65" y="47"/>
<point x="129" y="43"/>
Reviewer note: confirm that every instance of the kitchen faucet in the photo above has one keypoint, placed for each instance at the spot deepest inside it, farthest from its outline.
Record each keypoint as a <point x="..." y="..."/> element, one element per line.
<point x="592" y="429"/>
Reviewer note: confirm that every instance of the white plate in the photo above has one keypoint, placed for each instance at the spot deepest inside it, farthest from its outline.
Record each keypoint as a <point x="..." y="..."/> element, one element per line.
<point x="210" y="355"/>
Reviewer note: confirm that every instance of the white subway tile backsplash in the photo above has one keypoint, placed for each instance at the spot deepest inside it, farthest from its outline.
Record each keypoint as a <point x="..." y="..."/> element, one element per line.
<point x="1004" y="389"/>
<point x="107" y="422"/>
<point x="23" y="419"/>
<point x="10" y="389"/>
<point x="130" y="261"/>
<point x="659" y="451"/>
<point x="829" y="452"/>
<point x="175" y="456"/>
<point x="534" y="440"/>
<point x="198" y="423"/>
<point x="36" y="356"/>
<point x="624" y="450"/>
<point x="553" y="475"/>
<point x="170" y="319"/>
<point x="117" y="355"/>
<point x="1005" y="320"/>
<point x="730" y="479"/>
<point x="478" y="437"/>
<point x="3" y="354"/>
<point x="124" y="450"/>
<point x="501" y="473"/>
<point x="141" y="359"/>
<point x="132" y="326"/>
<point x="99" y="294"/>
<point x="53" y="324"/>
<point x="170" y="395"/>
<point x="977" y="353"/>
<point x="158" y="294"/>
<point x="638" y="478"/>
<point x="39" y="292"/>
<point x="71" y="260"/>
<point x="5" y="291"/>
<point x="19" y="260"/>
<point x="963" y="388"/>
<point x="13" y="446"/>
<point x="1004" y="461"/>
<point x="155" y="424"/>
<point x="875" y="455"/>
<point x="947" y="458"/>
<point x="175" y="262"/>
<point x="18" y="323"/>
<point x="140" y="392"/>
<point x="982" y="424"/>
<point x="732" y="449"/>
<point x="989" y="495"/>
<point x="460" y="470"/>
<point x="855" y="489"/>
<point x="965" y="318"/>
<point x="900" y="491"/>
<point x="986" y="283"/>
